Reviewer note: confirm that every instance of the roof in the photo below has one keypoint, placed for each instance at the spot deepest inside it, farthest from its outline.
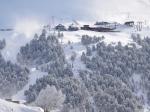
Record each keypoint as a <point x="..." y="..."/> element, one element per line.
<point x="129" y="22"/>
<point x="102" y="23"/>
<point x="60" y="25"/>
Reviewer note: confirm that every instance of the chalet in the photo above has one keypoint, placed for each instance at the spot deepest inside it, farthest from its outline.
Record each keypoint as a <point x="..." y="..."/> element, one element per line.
<point x="60" y="27"/>
<point x="72" y="27"/>
<point x="129" y="23"/>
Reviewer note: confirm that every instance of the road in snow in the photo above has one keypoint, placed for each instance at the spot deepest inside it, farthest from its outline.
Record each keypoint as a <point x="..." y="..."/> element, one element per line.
<point x="34" y="75"/>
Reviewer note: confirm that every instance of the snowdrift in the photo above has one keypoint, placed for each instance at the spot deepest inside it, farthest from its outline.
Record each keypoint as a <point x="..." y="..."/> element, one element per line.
<point x="6" y="106"/>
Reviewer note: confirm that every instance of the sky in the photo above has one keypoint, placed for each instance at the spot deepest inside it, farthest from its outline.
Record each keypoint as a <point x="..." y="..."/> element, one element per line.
<point x="12" y="11"/>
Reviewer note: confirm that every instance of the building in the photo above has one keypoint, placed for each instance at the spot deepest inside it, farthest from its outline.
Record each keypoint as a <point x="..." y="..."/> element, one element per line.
<point x="86" y="27"/>
<point x="129" y="23"/>
<point x="97" y="28"/>
<point x="60" y="27"/>
<point x="73" y="27"/>
<point x="102" y="23"/>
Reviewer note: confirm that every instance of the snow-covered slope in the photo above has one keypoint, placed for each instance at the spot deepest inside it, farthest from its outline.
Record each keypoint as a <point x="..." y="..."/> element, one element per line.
<point x="15" y="40"/>
<point x="124" y="36"/>
<point x="34" y="75"/>
<point x="6" y="106"/>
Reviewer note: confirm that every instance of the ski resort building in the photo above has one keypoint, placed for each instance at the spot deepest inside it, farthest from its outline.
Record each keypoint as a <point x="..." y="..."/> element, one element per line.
<point x="73" y="27"/>
<point x="129" y="23"/>
<point x="98" y="28"/>
<point x="102" y="23"/>
<point x="60" y="27"/>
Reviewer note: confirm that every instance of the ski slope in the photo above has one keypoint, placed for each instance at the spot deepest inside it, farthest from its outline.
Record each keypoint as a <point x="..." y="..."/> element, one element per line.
<point x="33" y="76"/>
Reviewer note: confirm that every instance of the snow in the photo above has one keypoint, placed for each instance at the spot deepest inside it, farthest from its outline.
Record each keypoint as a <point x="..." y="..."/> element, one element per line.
<point x="78" y="48"/>
<point x="75" y="38"/>
<point x="146" y="109"/>
<point x="14" y="43"/>
<point x="109" y="36"/>
<point x="22" y="33"/>
<point x="34" y="75"/>
<point x="16" y="39"/>
<point x="124" y="36"/>
<point x="139" y="90"/>
<point x="6" y="106"/>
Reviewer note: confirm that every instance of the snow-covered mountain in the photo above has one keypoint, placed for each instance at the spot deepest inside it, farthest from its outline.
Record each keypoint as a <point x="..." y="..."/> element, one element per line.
<point x="19" y="38"/>
<point x="109" y="72"/>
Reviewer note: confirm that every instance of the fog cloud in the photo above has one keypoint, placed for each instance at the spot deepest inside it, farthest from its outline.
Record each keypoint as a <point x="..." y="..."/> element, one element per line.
<point x="71" y="9"/>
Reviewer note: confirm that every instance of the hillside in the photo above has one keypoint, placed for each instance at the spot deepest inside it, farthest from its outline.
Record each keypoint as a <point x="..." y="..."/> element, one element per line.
<point x="12" y="107"/>
<point x="89" y="68"/>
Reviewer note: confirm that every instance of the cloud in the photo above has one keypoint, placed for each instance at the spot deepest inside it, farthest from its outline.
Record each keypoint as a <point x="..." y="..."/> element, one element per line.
<point x="72" y="9"/>
<point x="145" y="2"/>
<point x="27" y="27"/>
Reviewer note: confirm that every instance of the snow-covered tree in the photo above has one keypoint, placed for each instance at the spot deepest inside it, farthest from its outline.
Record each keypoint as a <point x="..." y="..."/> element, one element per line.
<point x="12" y="76"/>
<point x="86" y="40"/>
<point x="2" y="44"/>
<point x="44" y="52"/>
<point x="89" y="51"/>
<point x="73" y="57"/>
<point x="50" y="99"/>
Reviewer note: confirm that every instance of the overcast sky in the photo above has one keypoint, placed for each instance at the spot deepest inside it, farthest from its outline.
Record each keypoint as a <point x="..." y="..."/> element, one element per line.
<point x="12" y="10"/>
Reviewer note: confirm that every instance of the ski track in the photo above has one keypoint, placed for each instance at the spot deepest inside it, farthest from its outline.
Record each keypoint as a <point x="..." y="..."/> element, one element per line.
<point x="78" y="48"/>
<point x="33" y="76"/>
<point x="140" y="91"/>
